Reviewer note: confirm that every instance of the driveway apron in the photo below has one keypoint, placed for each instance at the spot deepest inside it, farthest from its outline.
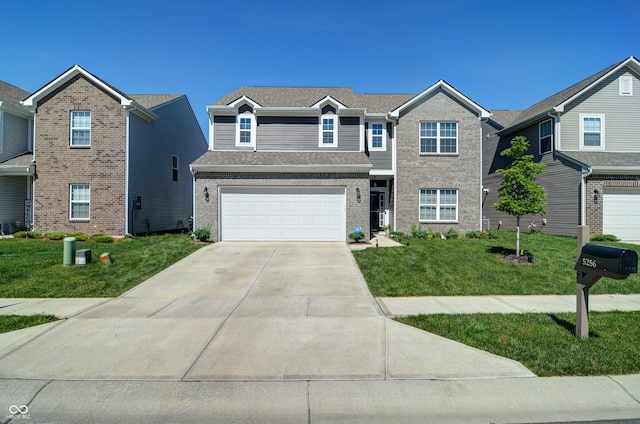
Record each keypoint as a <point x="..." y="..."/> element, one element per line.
<point x="236" y="311"/>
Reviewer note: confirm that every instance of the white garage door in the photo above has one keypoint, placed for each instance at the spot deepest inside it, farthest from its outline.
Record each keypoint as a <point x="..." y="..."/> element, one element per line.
<point x="282" y="213"/>
<point x="621" y="213"/>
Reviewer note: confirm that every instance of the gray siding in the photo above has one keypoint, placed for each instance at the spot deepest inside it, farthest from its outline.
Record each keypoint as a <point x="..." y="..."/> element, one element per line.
<point x="382" y="160"/>
<point x="166" y="204"/>
<point x="287" y="133"/>
<point x="561" y="182"/>
<point x="15" y="136"/>
<point x="622" y="115"/>
<point x="13" y="192"/>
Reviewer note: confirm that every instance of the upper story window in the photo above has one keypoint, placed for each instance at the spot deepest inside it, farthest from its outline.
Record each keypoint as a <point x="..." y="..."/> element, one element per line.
<point x="591" y="131"/>
<point x="438" y="204"/>
<point x="174" y="168"/>
<point x="545" y="130"/>
<point x="79" y="201"/>
<point x="626" y="85"/>
<point x="329" y="130"/>
<point x="439" y="137"/>
<point x="377" y="136"/>
<point x="80" y="128"/>
<point x="246" y="129"/>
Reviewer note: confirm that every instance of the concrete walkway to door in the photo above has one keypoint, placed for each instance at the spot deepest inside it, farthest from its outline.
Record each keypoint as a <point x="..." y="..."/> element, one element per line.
<point x="246" y="311"/>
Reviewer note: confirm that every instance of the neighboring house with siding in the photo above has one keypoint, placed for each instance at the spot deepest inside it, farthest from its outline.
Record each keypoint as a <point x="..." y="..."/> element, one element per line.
<point x="110" y="162"/>
<point x="16" y="153"/>
<point x="313" y="163"/>
<point x="588" y="136"/>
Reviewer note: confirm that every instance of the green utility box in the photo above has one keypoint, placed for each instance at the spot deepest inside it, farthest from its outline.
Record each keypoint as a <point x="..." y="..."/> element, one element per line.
<point x="69" y="255"/>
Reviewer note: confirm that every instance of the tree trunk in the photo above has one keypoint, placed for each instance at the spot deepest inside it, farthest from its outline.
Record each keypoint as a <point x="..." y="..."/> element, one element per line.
<point x="517" y="236"/>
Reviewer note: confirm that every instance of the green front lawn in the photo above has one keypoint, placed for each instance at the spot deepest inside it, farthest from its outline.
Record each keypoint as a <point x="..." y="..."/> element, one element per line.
<point x="33" y="267"/>
<point x="17" y="322"/>
<point x="546" y="343"/>
<point x="475" y="267"/>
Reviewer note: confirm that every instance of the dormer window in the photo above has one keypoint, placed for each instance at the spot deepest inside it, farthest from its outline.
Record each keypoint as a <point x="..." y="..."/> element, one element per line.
<point x="328" y="127"/>
<point x="245" y="127"/>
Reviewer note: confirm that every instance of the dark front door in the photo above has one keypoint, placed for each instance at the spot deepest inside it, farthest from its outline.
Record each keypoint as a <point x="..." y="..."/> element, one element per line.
<point x="374" y="210"/>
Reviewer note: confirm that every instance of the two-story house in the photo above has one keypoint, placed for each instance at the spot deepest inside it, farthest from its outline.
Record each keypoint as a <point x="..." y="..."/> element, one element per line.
<point x="105" y="161"/>
<point x="16" y="154"/>
<point x="293" y="163"/>
<point x="588" y="138"/>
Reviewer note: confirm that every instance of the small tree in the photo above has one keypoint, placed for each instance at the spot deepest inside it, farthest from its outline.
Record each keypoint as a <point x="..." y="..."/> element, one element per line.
<point x="519" y="193"/>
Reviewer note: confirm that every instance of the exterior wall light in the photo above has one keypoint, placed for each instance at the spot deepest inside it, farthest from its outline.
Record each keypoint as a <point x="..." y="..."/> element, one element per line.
<point x="596" y="195"/>
<point x="358" y="194"/>
<point x="206" y="194"/>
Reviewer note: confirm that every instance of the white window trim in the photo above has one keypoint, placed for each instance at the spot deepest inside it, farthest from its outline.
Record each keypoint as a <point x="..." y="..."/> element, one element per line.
<point x="321" y="131"/>
<point x="71" y="128"/>
<point x="602" y="131"/>
<point x="384" y="136"/>
<point x="438" y="138"/>
<point x="438" y="205"/>
<point x="71" y="202"/>
<point x="252" y="117"/>
<point x="540" y="137"/>
<point x="625" y="86"/>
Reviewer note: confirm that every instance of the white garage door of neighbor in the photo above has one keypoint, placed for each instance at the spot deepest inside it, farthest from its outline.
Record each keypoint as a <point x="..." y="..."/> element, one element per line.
<point x="282" y="213"/>
<point x="621" y="213"/>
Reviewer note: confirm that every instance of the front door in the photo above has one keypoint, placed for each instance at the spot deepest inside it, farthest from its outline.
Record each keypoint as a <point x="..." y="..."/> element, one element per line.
<point x="376" y="210"/>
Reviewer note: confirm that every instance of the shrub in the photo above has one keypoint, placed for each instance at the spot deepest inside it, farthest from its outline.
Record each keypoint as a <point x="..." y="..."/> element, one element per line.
<point x="202" y="234"/>
<point x="451" y="234"/>
<point x="20" y="234"/>
<point x="33" y="234"/>
<point x="473" y="234"/>
<point x="80" y="236"/>
<point x="356" y="237"/>
<point x="102" y="238"/>
<point x="54" y="235"/>
<point x="604" y="237"/>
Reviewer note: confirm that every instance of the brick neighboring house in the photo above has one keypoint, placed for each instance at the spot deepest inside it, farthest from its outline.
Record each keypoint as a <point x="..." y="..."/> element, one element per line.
<point x="588" y="136"/>
<point x="312" y="163"/>
<point x="110" y="162"/>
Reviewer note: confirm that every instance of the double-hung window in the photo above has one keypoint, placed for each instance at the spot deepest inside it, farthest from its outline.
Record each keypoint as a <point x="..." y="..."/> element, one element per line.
<point x="438" y="204"/>
<point x="174" y="168"/>
<point x="246" y="129"/>
<point x="545" y="130"/>
<point x="80" y="128"/>
<point x="328" y="130"/>
<point x="79" y="201"/>
<point x="591" y="131"/>
<point x="377" y="136"/>
<point x="439" y="137"/>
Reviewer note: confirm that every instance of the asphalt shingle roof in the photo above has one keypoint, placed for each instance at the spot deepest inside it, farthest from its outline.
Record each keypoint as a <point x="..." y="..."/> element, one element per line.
<point x="606" y="159"/>
<point x="307" y="96"/>
<point x="12" y="94"/>
<point x="149" y="101"/>
<point x="250" y="158"/>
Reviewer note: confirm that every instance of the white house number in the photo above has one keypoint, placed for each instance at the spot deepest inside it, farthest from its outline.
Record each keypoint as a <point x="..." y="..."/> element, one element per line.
<point x="591" y="263"/>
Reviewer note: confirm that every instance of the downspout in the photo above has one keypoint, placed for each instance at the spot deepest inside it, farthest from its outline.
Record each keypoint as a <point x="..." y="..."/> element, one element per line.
<point x="126" y="175"/>
<point x="481" y="172"/>
<point x="394" y="164"/>
<point x="31" y="225"/>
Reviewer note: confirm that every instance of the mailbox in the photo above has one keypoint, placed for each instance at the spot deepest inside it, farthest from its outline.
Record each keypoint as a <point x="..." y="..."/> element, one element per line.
<point x="607" y="261"/>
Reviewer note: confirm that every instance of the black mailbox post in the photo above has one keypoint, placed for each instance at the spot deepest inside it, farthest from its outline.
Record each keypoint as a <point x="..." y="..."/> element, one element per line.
<point x="597" y="261"/>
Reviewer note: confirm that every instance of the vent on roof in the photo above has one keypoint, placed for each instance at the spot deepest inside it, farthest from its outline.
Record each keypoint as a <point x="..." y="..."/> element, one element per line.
<point x="626" y="85"/>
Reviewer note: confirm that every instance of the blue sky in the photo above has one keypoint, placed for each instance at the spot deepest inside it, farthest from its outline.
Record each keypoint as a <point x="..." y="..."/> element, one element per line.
<point x="503" y="54"/>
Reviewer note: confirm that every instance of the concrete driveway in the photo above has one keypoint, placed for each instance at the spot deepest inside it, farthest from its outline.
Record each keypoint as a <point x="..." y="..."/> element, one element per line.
<point x="245" y="312"/>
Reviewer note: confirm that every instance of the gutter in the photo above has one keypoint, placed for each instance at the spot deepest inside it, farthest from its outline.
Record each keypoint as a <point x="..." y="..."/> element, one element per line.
<point x="195" y="168"/>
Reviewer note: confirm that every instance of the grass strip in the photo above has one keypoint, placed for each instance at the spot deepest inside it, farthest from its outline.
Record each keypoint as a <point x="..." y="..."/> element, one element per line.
<point x="546" y="343"/>
<point x="18" y="322"/>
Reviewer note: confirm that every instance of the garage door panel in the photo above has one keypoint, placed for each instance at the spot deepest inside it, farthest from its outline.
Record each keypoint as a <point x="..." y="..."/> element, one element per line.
<point x="282" y="213"/>
<point x="621" y="213"/>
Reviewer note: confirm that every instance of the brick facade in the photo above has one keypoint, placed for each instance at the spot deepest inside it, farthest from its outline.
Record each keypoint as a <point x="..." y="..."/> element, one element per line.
<point x="207" y="213"/>
<point x="459" y="171"/>
<point x="600" y="183"/>
<point x="102" y="164"/>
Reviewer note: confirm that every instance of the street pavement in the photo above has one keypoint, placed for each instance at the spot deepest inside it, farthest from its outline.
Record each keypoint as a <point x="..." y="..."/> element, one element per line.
<point x="271" y="332"/>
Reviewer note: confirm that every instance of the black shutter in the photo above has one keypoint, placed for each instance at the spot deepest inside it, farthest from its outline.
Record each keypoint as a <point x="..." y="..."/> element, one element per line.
<point x="366" y="138"/>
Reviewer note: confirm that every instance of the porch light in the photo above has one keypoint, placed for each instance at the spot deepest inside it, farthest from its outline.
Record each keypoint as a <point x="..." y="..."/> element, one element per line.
<point x="358" y="194"/>
<point x="206" y="194"/>
<point x="596" y="195"/>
